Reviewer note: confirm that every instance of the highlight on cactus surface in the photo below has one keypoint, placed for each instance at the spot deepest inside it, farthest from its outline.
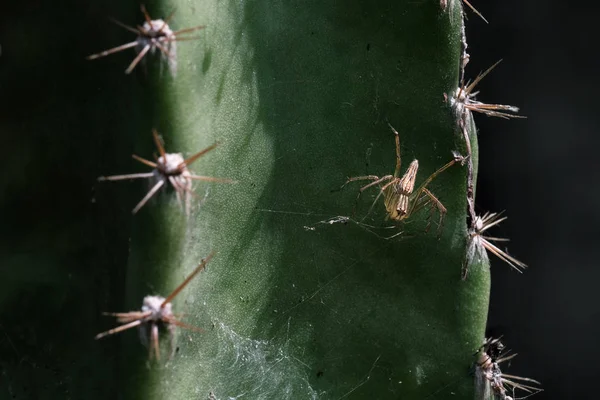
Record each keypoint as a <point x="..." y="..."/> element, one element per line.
<point x="171" y="168"/>
<point x="156" y="312"/>
<point x="400" y="199"/>
<point x="153" y="35"/>
<point x="489" y="378"/>
<point x="478" y="243"/>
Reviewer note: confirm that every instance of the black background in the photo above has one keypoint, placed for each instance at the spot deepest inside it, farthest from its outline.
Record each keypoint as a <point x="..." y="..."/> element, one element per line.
<point x="542" y="171"/>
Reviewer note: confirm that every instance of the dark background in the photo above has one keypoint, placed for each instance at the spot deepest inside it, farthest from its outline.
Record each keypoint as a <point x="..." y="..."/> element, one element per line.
<point x="542" y="170"/>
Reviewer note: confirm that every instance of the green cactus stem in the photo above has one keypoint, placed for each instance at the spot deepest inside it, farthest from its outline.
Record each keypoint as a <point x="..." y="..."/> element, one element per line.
<point x="304" y="298"/>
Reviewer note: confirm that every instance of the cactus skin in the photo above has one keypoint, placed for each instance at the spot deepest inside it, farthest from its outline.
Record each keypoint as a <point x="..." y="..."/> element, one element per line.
<point x="298" y="94"/>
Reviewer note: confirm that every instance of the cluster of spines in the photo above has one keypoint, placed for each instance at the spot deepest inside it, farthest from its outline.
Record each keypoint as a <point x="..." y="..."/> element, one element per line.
<point x="463" y="103"/>
<point x="489" y="379"/>
<point x="168" y="169"/>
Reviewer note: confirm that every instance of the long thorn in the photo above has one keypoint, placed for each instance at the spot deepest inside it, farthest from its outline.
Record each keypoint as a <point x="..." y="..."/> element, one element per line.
<point x="146" y="15"/>
<point x="183" y="325"/>
<point x="163" y="50"/>
<point x="211" y="179"/>
<point x="122" y="25"/>
<point x="113" y="50"/>
<point x="124" y="177"/>
<point x="179" y="288"/>
<point x="148" y="196"/>
<point x="475" y="11"/>
<point x="154" y="342"/>
<point x="137" y="59"/>
<point x="118" y="329"/>
<point x="159" y="144"/>
<point x="144" y="161"/>
<point x="510" y="260"/>
<point x="482" y="75"/>
<point x="166" y="20"/>
<point x="196" y="156"/>
<point x="176" y="39"/>
<point x="195" y="28"/>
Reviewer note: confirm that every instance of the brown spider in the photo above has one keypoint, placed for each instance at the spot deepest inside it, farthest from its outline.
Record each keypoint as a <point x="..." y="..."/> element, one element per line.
<point x="478" y="243"/>
<point x="171" y="167"/>
<point x="489" y="377"/>
<point x="153" y="34"/>
<point x="400" y="199"/>
<point x="464" y="100"/>
<point x="156" y="312"/>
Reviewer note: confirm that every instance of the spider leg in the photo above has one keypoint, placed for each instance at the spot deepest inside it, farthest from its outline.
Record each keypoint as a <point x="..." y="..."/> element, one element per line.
<point x="440" y="207"/>
<point x="422" y="198"/>
<point x="391" y="196"/>
<point x="398" y="157"/>
<point x="360" y="178"/>
<point x="376" y="181"/>
<point x="113" y="50"/>
<point x="137" y="59"/>
<point x="370" y="208"/>
<point x="435" y="174"/>
<point x="147" y="197"/>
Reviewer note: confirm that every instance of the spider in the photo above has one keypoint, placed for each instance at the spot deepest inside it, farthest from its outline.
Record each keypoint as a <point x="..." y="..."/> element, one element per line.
<point x="478" y="243"/>
<point x="464" y="100"/>
<point x="400" y="199"/>
<point x="488" y="375"/>
<point x="156" y="312"/>
<point x="153" y="34"/>
<point x="171" y="167"/>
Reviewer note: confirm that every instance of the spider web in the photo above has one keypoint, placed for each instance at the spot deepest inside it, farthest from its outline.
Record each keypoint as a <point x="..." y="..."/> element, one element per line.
<point x="257" y="369"/>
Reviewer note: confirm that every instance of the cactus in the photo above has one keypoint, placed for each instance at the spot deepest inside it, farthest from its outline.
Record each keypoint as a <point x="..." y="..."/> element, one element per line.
<point x="312" y="293"/>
